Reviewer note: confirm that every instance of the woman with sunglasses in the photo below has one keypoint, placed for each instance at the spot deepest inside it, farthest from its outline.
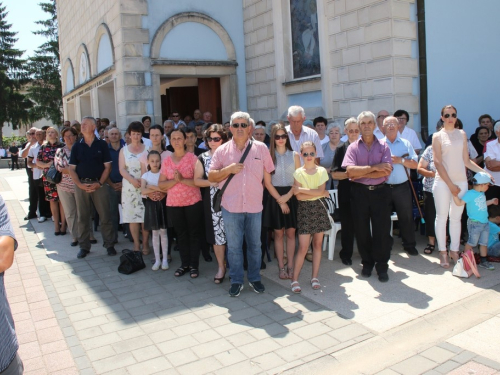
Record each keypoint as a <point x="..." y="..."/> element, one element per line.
<point x="280" y="213"/>
<point x="312" y="215"/>
<point x="451" y="157"/>
<point x="351" y="128"/>
<point x="214" y="136"/>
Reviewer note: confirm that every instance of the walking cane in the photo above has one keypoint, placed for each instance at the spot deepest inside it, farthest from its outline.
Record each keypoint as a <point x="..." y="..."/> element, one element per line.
<point x="422" y="220"/>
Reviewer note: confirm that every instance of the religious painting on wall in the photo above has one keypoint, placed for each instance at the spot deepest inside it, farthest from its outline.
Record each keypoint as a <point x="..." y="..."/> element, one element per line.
<point x="305" y="41"/>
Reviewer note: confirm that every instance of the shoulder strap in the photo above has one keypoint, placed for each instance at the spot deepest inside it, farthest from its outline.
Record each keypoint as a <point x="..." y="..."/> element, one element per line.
<point x="243" y="157"/>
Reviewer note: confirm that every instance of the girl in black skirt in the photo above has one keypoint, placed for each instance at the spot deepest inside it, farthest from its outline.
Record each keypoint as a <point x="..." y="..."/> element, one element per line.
<point x="155" y="215"/>
<point x="280" y="212"/>
<point x="312" y="216"/>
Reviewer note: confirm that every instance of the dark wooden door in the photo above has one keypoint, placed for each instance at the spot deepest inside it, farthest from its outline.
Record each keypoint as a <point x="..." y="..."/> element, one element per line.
<point x="182" y="99"/>
<point x="209" y="97"/>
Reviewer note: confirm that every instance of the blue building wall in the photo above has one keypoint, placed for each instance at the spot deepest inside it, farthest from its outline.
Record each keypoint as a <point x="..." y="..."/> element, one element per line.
<point x="229" y="13"/>
<point x="463" y="55"/>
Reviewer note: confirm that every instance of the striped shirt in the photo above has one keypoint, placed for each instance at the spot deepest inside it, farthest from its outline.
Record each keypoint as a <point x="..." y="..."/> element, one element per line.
<point x="8" y="339"/>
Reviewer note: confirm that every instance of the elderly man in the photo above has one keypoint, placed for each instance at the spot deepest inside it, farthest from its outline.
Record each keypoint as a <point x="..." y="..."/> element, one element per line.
<point x="196" y="118"/>
<point x="298" y="134"/>
<point x="207" y="117"/>
<point x="33" y="194"/>
<point x="43" y="205"/>
<point x="379" y="130"/>
<point x="90" y="165"/>
<point x="114" y="181"/>
<point x="403" y="156"/>
<point x="406" y="132"/>
<point x="259" y="134"/>
<point x="10" y="362"/>
<point x="242" y="199"/>
<point x="368" y="164"/>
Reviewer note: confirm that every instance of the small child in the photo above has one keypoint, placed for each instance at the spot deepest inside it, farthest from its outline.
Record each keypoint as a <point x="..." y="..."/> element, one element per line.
<point x="493" y="240"/>
<point x="155" y="216"/>
<point x="478" y="224"/>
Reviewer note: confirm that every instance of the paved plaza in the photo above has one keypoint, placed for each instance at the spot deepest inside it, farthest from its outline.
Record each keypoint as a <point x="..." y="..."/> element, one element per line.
<point x="83" y="317"/>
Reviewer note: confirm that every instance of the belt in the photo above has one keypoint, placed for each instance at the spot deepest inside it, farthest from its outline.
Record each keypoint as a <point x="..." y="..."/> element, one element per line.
<point x="396" y="185"/>
<point x="86" y="180"/>
<point x="371" y="187"/>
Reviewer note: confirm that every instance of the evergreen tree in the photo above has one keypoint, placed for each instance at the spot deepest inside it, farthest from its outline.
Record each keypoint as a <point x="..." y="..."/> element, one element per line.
<point x="13" y="104"/>
<point x="45" y="89"/>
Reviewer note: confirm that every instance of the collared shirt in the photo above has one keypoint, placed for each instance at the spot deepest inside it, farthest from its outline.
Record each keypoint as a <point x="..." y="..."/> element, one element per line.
<point x="33" y="154"/>
<point x="90" y="160"/>
<point x="176" y="125"/>
<point x="8" y="340"/>
<point x="399" y="147"/>
<point x="115" y="175"/>
<point x="244" y="192"/>
<point x="378" y="133"/>
<point x="358" y="155"/>
<point x="493" y="152"/>
<point x="306" y="134"/>
<point x="410" y="135"/>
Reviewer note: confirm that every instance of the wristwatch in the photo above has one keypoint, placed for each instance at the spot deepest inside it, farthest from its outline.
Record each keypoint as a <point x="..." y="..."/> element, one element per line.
<point x="100" y="183"/>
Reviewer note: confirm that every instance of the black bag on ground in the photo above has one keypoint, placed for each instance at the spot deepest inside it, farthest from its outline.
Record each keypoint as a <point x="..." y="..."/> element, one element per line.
<point x="130" y="262"/>
<point x="53" y="175"/>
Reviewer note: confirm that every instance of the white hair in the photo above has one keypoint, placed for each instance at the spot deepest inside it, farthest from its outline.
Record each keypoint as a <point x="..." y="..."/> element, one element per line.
<point x="251" y="122"/>
<point x="240" y="114"/>
<point x="349" y="121"/>
<point x="364" y="114"/>
<point x="296" y="110"/>
<point x="333" y="126"/>
<point x="497" y="126"/>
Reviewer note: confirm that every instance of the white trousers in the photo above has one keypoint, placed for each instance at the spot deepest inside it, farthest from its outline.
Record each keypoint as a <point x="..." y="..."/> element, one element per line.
<point x="445" y="206"/>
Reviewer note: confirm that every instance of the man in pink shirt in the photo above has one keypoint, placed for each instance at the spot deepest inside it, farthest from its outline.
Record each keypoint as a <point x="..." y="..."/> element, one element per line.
<point x="242" y="199"/>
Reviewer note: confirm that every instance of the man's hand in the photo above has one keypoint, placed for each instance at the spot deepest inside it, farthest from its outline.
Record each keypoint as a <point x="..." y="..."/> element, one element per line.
<point x="117" y="186"/>
<point x="397" y="160"/>
<point x="383" y="167"/>
<point x="235" y="168"/>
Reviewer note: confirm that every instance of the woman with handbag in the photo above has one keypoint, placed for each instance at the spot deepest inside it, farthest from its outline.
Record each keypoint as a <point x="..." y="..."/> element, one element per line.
<point x="44" y="160"/>
<point x="214" y="136"/>
<point x="280" y="212"/>
<point x="184" y="202"/>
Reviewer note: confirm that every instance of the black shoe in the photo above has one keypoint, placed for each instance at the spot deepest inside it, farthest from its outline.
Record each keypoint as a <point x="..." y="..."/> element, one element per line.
<point x="74" y="243"/>
<point x="82" y="253"/>
<point x="111" y="251"/>
<point x="411" y="251"/>
<point x="29" y="217"/>
<point x="258" y="287"/>
<point x="208" y="258"/>
<point x="235" y="290"/>
<point x="347" y="262"/>
<point x="263" y="265"/>
<point x="383" y="277"/>
<point x="366" y="272"/>
<point x="93" y="242"/>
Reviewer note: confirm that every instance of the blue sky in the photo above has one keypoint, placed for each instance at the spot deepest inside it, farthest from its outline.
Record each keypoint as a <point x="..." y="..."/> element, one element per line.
<point x="22" y="15"/>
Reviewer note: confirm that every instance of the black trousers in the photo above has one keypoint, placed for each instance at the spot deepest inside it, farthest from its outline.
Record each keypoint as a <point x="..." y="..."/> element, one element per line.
<point x="347" y="232"/>
<point x="43" y="205"/>
<point x="33" y="193"/>
<point x="372" y="206"/>
<point x="188" y="224"/>
<point x="493" y="192"/>
<point x="14" y="160"/>
<point x="429" y="214"/>
<point x="402" y="203"/>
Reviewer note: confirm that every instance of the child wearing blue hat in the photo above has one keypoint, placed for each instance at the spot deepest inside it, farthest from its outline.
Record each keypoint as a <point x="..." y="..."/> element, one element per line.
<point x="477" y="210"/>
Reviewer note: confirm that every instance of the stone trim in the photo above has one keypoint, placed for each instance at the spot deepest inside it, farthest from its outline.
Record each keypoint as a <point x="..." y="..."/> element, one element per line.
<point x="105" y="71"/>
<point x="173" y="21"/>
<point x="82" y="48"/>
<point x="68" y="64"/>
<point x="194" y="62"/>
<point x="101" y="30"/>
<point x="302" y="80"/>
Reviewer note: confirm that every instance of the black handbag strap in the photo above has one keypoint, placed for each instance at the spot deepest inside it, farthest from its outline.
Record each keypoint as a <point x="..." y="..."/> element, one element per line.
<point x="243" y="157"/>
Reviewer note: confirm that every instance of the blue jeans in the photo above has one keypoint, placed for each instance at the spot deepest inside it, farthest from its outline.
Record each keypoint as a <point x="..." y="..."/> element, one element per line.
<point x="478" y="233"/>
<point x="237" y="226"/>
<point x="494" y="250"/>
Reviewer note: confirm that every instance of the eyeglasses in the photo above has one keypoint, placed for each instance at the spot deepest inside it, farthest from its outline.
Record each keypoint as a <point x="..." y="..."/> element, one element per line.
<point x="175" y="116"/>
<point x="454" y="115"/>
<point x="214" y="139"/>
<point x="237" y="125"/>
<point x="282" y="136"/>
<point x="311" y="154"/>
<point x="352" y="131"/>
<point x="382" y="116"/>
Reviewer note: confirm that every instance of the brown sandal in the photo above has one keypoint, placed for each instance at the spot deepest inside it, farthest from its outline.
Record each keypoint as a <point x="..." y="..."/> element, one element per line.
<point x="283" y="275"/>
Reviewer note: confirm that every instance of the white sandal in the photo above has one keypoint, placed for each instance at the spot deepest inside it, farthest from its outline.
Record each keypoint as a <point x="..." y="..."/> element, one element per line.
<point x="315" y="284"/>
<point x="295" y="287"/>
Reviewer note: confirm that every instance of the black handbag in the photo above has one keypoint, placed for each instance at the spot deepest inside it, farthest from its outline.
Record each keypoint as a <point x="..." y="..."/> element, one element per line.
<point x="217" y="199"/>
<point x="130" y="262"/>
<point x="53" y="175"/>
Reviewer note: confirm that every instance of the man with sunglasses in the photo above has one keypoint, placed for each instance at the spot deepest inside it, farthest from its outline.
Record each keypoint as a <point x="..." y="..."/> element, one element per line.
<point x="242" y="199"/>
<point x="368" y="165"/>
<point x="406" y="132"/>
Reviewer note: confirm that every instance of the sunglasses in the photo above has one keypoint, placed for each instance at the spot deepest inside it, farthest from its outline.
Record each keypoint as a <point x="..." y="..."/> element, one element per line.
<point x="237" y="125"/>
<point x="214" y="139"/>
<point x="31" y="133"/>
<point x="454" y="115"/>
<point x="175" y="116"/>
<point x="311" y="154"/>
<point x="282" y="136"/>
<point x="352" y="131"/>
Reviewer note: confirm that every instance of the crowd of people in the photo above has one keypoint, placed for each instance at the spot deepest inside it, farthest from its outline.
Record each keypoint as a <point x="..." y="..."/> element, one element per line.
<point x="229" y="189"/>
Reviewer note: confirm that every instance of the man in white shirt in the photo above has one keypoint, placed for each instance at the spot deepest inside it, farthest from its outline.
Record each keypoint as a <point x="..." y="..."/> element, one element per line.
<point x="176" y="118"/>
<point x="43" y="205"/>
<point x="298" y="134"/>
<point x="406" y="132"/>
<point x="492" y="164"/>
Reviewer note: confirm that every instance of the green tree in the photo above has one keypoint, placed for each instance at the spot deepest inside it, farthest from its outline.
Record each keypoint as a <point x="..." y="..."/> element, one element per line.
<point x="14" y="105"/>
<point x="45" y="89"/>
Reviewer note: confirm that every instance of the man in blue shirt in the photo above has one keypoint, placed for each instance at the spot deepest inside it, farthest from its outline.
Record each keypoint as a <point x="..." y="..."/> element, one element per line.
<point x="114" y="181"/>
<point x="403" y="156"/>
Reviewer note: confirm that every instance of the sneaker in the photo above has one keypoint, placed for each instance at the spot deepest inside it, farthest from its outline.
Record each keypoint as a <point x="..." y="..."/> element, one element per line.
<point x="486" y="265"/>
<point x="235" y="290"/>
<point x="164" y="264"/>
<point x="156" y="266"/>
<point x="111" y="251"/>
<point x="41" y="219"/>
<point x="258" y="287"/>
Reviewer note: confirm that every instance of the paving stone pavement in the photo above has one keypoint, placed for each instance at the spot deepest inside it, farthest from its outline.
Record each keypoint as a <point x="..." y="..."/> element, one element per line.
<point x="82" y="316"/>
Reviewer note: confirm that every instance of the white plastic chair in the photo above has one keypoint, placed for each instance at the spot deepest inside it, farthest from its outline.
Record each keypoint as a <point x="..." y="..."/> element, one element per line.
<point x="331" y="235"/>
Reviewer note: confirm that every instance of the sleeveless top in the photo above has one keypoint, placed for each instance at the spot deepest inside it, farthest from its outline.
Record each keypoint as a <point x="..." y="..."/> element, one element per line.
<point x="285" y="167"/>
<point x="452" y="146"/>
